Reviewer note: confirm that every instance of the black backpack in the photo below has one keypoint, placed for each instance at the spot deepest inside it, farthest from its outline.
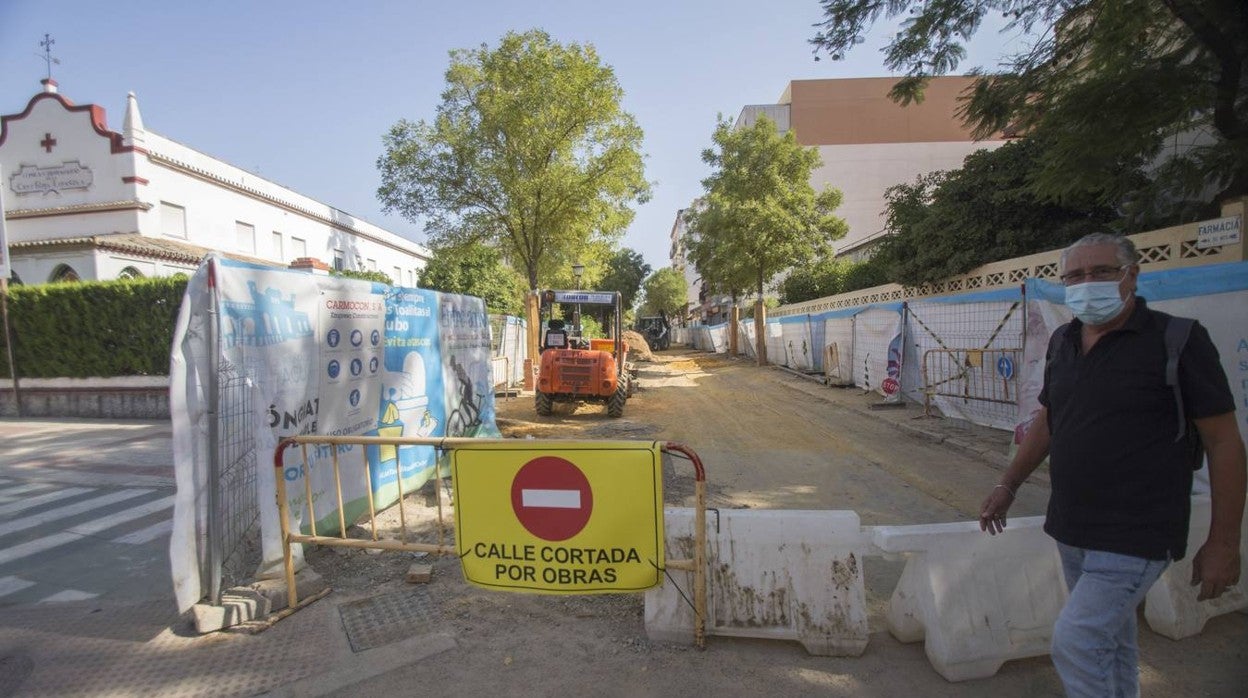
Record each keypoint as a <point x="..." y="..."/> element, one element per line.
<point x="1178" y="329"/>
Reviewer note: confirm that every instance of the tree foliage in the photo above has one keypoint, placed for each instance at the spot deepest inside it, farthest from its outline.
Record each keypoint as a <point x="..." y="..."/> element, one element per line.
<point x="530" y="152"/>
<point x="1115" y="84"/>
<point x="947" y="223"/>
<point x="378" y="276"/>
<point x="624" y="273"/>
<point x="475" y="270"/>
<point x="667" y="291"/>
<point x="759" y="215"/>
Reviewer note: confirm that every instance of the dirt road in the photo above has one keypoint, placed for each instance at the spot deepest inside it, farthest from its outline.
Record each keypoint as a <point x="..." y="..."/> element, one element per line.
<point x="769" y="440"/>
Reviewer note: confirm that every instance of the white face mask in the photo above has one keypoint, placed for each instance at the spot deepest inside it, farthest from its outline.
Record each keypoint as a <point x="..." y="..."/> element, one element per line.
<point x="1095" y="302"/>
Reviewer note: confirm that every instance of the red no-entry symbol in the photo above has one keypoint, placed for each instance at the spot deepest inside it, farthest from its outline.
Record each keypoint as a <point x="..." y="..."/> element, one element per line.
<point x="551" y="498"/>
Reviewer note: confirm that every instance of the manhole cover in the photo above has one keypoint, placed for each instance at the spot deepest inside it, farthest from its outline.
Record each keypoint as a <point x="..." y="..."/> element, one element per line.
<point x="14" y="669"/>
<point x="387" y="618"/>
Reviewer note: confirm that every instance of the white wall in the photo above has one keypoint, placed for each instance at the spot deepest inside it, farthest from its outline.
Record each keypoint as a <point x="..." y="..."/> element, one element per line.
<point x="864" y="171"/>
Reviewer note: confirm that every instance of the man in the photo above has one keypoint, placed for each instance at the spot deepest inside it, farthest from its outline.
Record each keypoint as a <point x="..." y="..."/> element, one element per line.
<point x="1121" y="483"/>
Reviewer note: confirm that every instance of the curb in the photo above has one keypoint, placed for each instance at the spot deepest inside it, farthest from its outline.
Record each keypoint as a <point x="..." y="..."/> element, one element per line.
<point x="969" y="448"/>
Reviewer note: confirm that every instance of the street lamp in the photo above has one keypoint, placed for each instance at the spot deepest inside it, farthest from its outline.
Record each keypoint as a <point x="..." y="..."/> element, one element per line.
<point x="577" y="270"/>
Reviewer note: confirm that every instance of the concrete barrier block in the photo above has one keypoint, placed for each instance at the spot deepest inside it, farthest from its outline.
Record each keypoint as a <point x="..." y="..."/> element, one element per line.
<point x="794" y="575"/>
<point x="1170" y="607"/>
<point x="977" y="600"/>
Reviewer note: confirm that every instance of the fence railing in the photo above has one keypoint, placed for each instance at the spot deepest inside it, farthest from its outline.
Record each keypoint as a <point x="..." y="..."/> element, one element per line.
<point x="696" y="565"/>
<point x="971" y="375"/>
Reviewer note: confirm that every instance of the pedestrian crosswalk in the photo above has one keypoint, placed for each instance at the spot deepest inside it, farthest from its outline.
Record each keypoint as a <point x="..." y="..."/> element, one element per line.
<point x="51" y="533"/>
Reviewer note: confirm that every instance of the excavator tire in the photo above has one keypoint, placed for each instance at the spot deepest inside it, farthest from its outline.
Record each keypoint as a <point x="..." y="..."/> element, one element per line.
<point x="615" y="405"/>
<point x="543" y="402"/>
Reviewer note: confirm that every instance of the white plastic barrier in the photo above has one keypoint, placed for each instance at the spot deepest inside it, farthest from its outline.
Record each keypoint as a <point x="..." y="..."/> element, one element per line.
<point x="1171" y="608"/>
<point x="978" y="600"/>
<point x="778" y="574"/>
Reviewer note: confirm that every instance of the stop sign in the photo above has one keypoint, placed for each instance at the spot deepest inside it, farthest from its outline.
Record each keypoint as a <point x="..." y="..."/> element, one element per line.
<point x="551" y="498"/>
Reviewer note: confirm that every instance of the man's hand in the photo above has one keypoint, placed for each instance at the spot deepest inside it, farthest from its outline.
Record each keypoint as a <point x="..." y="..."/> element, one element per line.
<point x="992" y="512"/>
<point x="1215" y="567"/>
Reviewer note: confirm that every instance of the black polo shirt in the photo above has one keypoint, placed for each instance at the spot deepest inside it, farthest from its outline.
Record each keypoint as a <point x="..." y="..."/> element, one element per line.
<point x="1120" y="482"/>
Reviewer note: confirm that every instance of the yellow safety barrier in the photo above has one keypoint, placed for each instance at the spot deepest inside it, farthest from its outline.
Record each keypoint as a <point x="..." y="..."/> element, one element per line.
<point x="697" y="565"/>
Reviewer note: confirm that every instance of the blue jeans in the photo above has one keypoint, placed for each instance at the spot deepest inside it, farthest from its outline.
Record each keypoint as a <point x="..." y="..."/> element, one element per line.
<point x="1094" y="641"/>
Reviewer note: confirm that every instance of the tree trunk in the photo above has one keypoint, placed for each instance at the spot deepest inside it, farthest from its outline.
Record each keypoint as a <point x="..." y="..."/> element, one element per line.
<point x="734" y="319"/>
<point x="760" y="330"/>
<point x="533" y="317"/>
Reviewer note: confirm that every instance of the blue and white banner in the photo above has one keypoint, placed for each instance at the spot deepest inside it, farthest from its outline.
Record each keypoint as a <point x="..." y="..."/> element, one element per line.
<point x="319" y="355"/>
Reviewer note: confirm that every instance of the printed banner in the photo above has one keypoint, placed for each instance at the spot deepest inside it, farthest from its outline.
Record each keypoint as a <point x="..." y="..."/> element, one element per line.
<point x="318" y="355"/>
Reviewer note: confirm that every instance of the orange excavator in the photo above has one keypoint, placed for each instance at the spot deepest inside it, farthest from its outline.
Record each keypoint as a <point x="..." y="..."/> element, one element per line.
<point x="575" y="369"/>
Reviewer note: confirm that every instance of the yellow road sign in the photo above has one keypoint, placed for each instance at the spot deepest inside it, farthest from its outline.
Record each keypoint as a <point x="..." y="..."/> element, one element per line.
<point x="571" y="517"/>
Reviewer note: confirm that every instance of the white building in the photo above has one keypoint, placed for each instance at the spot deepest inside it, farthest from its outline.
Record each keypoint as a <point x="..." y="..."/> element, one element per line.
<point x="84" y="202"/>
<point x="869" y="143"/>
<point x="678" y="255"/>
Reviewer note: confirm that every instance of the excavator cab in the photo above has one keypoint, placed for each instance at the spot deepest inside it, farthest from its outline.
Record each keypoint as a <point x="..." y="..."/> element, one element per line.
<point x="576" y="369"/>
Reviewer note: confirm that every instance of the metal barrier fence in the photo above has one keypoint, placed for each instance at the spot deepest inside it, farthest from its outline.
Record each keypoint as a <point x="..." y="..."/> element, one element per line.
<point x="697" y="565"/>
<point x="971" y="375"/>
<point x="233" y="512"/>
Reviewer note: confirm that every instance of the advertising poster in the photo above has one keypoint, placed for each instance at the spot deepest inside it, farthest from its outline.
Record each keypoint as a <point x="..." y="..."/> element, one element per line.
<point x="464" y="331"/>
<point x="297" y="353"/>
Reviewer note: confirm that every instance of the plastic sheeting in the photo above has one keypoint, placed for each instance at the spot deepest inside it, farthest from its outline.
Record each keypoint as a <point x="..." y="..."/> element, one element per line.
<point x="323" y="355"/>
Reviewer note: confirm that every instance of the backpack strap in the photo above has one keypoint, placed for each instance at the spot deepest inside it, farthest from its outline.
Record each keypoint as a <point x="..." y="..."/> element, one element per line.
<point x="1055" y="340"/>
<point x="1178" y="329"/>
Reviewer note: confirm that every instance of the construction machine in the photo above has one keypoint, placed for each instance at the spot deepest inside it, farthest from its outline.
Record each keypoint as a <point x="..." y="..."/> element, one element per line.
<point x="577" y="369"/>
<point x="656" y="330"/>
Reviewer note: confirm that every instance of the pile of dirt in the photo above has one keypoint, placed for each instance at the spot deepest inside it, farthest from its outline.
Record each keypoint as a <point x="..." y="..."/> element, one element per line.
<point x="638" y="348"/>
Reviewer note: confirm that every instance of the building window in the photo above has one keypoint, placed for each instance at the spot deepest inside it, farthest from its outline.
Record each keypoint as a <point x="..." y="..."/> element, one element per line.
<point x="340" y="260"/>
<point x="172" y="220"/>
<point x="278" y="253"/>
<point x="298" y="248"/>
<point x="245" y="237"/>
<point x="130" y="273"/>
<point x="372" y="265"/>
<point x="63" y="273"/>
<point x="411" y="277"/>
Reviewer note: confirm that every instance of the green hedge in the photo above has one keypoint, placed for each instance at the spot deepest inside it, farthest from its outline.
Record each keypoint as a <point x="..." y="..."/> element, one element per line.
<point x="93" y="328"/>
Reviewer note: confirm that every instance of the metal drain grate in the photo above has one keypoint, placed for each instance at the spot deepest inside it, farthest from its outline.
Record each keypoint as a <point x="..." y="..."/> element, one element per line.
<point x="387" y="618"/>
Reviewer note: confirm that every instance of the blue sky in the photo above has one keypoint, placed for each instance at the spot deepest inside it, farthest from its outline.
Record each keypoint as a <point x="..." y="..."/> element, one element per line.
<point x="301" y="92"/>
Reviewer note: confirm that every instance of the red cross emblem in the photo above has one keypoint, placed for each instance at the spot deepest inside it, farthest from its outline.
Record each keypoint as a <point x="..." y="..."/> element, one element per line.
<point x="47" y="142"/>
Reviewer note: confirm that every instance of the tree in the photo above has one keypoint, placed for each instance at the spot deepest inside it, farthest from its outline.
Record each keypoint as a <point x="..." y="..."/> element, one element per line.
<point x="1116" y="85"/>
<point x="624" y="273"/>
<point x="666" y="291"/>
<point x="475" y="270"/>
<point x="530" y="152"/>
<point x="759" y="215"/>
<point x="947" y="223"/>
<point x="826" y="277"/>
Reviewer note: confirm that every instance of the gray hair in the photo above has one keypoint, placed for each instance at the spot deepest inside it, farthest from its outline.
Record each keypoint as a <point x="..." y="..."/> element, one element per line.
<point x="1125" y="249"/>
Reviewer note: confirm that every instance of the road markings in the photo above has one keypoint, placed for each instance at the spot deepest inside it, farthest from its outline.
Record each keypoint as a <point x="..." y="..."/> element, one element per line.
<point x="144" y="535"/>
<point x="8" y="585"/>
<point x="44" y="517"/>
<point x="42" y="499"/>
<point x="81" y="531"/>
<point x="12" y="493"/>
<point x="68" y="595"/>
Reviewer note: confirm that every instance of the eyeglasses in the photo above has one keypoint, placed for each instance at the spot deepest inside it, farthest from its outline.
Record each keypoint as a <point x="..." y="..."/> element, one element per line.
<point x="1093" y="274"/>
